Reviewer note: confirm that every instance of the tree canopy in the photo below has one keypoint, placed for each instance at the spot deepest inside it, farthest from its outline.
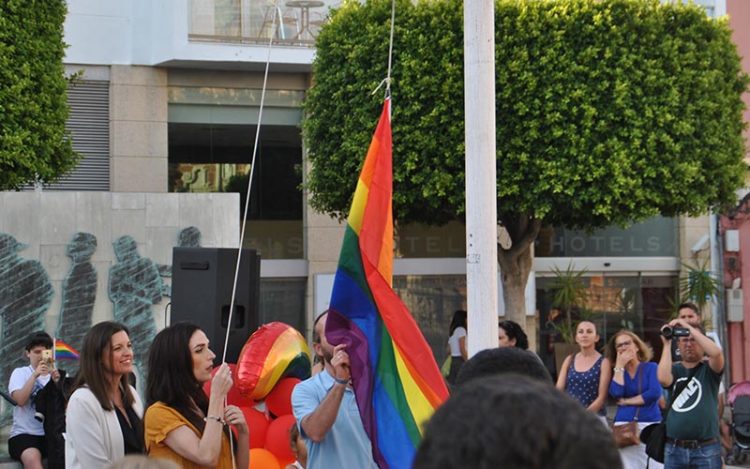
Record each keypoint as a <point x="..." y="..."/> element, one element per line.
<point x="608" y="112"/>
<point x="33" y="108"/>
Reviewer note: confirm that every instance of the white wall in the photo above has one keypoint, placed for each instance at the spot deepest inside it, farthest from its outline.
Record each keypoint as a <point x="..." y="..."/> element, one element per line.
<point x="47" y="221"/>
<point x="148" y="32"/>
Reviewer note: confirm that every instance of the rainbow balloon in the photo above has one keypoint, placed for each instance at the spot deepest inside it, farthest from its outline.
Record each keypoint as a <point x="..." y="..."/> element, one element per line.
<point x="275" y="351"/>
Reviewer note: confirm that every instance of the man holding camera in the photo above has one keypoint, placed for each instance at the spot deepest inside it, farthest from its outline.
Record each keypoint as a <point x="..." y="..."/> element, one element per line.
<point x="692" y="421"/>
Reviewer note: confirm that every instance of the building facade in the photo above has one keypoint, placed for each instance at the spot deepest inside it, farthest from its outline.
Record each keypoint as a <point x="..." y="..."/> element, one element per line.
<point x="166" y="101"/>
<point x="184" y="80"/>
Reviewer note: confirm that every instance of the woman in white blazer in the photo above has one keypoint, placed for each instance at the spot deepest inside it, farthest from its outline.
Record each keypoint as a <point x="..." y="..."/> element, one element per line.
<point x="104" y="415"/>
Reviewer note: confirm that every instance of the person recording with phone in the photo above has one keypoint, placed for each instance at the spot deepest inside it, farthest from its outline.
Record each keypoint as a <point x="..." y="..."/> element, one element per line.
<point x="26" y="443"/>
<point x="692" y="422"/>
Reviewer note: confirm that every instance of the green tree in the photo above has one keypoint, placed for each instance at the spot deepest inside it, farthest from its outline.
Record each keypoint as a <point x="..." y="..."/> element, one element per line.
<point x="608" y="112"/>
<point x="33" y="108"/>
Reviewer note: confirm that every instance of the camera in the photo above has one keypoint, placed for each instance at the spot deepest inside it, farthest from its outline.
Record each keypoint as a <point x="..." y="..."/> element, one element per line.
<point x="668" y="332"/>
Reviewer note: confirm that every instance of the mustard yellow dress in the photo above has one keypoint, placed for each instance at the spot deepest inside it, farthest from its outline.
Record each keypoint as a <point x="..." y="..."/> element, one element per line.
<point x="160" y="419"/>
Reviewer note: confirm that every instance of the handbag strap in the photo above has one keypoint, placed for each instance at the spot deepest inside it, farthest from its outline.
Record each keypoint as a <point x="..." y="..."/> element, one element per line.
<point x="640" y="390"/>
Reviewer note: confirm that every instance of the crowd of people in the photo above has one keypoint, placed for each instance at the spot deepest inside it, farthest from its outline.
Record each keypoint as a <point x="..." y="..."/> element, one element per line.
<point x="544" y="424"/>
<point x="682" y="389"/>
<point x="105" y="418"/>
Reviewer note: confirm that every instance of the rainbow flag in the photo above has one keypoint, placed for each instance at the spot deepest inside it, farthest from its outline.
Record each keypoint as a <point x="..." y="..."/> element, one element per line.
<point x="64" y="351"/>
<point x="396" y="380"/>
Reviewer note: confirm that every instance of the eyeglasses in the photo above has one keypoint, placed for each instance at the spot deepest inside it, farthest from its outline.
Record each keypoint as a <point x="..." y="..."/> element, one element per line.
<point x="685" y="340"/>
<point x="624" y="344"/>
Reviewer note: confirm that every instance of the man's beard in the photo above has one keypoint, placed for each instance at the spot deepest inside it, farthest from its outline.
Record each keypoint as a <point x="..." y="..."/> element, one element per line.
<point x="326" y="356"/>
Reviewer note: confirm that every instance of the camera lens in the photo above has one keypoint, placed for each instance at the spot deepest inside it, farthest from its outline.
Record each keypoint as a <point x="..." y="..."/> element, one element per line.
<point x="667" y="331"/>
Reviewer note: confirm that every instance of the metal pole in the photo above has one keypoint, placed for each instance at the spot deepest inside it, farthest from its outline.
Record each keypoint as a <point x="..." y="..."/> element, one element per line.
<point x="481" y="182"/>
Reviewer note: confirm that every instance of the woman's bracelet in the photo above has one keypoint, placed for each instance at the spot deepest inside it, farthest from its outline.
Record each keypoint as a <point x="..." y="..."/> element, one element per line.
<point x="618" y="369"/>
<point x="213" y="417"/>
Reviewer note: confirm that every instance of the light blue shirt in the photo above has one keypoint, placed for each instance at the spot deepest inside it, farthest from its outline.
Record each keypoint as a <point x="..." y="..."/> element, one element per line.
<point x="346" y="445"/>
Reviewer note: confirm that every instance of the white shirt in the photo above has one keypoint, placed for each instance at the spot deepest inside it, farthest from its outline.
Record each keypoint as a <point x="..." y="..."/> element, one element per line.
<point x="453" y="341"/>
<point x="24" y="422"/>
<point x="94" y="437"/>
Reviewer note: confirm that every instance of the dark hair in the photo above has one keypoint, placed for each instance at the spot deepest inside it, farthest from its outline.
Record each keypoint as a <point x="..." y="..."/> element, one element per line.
<point x="514" y="331"/>
<point x="39" y="338"/>
<point x="316" y="336"/>
<point x="459" y="320"/>
<point x="91" y="372"/>
<point x="689" y="305"/>
<point x="503" y="360"/>
<point x="170" y="374"/>
<point x="540" y="428"/>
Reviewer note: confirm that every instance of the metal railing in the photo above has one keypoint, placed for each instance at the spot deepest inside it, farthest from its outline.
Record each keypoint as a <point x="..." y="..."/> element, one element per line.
<point x="252" y="21"/>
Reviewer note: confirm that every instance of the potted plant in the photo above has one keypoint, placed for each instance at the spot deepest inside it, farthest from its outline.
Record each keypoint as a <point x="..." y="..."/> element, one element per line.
<point x="570" y="296"/>
<point x="699" y="285"/>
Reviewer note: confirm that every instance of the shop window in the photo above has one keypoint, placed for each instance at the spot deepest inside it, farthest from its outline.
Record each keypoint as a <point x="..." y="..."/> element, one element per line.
<point x="639" y="303"/>
<point x="283" y="299"/>
<point x="432" y="299"/>
<point x="217" y="158"/>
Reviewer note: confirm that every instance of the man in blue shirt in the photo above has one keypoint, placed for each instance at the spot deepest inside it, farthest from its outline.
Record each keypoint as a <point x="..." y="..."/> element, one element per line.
<point x="326" y="410"/>
<point x="692" y="422"/>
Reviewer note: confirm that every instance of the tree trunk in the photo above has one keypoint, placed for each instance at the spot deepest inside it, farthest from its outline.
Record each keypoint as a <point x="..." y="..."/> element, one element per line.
<point x="514" y="271"/>
<point x="515" y="265"/>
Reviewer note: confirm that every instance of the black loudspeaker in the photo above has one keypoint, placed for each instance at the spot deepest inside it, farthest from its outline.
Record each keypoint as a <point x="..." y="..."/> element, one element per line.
<point x="202" y="280"/>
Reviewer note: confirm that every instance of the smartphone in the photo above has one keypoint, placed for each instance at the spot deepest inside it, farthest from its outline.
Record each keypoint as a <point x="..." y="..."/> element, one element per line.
<point x="47" y="357"/>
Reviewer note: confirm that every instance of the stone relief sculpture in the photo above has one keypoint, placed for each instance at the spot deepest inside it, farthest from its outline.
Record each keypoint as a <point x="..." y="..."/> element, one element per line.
<point x="25" y="296"/>
<point x="78" y="294"/>
<point x="189" y="237"/>
<point x="135" y="285"/>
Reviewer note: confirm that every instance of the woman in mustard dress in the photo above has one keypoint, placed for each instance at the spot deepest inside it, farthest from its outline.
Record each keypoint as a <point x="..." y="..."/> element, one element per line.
<point x="181" y="424"/>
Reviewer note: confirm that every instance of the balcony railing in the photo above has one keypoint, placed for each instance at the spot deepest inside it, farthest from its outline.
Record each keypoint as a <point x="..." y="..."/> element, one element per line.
<point x="289" y="22"/>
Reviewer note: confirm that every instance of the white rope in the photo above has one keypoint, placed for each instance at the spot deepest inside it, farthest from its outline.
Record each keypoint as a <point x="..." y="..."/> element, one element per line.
<point x="247" y="204"/>
<point x="390" y="50"/>
<point x="387" y="80"/>
<point x="249" y="187"/>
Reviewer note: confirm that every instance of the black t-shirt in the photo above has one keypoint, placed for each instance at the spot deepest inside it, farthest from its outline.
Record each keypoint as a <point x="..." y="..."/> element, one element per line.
<point x="132" y="433"/>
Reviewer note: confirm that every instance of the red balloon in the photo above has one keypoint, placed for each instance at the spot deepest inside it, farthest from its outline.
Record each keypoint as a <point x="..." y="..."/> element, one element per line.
<point x="263" y="459"/>
<point x="279" y="400"/>
<point x="234" y="397"/>
<point x="277" y="439"/>
<point x="258" y="425"/>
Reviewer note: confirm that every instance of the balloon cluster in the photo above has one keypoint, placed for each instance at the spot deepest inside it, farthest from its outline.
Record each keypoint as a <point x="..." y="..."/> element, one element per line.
<point x="274" y="359"/>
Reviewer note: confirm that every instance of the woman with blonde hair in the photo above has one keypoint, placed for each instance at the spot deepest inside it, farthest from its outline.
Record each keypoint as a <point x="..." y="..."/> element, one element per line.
<point x="637" y="391"/>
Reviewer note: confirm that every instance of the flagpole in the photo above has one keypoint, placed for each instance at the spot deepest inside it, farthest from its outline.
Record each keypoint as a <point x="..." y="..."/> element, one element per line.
<point x="481" y="182"/>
